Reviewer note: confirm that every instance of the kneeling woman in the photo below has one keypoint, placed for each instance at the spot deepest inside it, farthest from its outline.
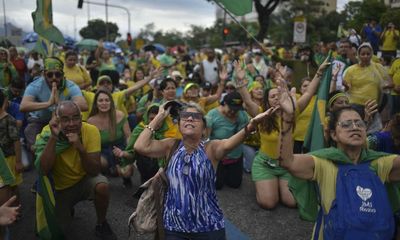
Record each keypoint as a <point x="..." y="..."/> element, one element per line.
<point x="113" y="126"/>
<point x="191" y="173"/>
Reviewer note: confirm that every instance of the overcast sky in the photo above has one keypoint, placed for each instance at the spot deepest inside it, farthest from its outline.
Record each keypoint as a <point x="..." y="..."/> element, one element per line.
<point x="165" y="14"/>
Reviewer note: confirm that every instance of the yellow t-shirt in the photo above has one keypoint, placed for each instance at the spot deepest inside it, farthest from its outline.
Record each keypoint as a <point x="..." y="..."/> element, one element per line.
<point x="120" y="101"/>
<point x="211" y="106"/>
<point x="389" y="42"/>
<point x="303" y="120"/>
<point x="89" y="97"/>
<point x="173" y="129"/>
<point x="365" y="82"/>
<point x="325" y="173"/>
<point x="269" y="143"/>
<point x="395" y="73"/>
<point x="68" y="169"/>
<point x="77" y="74"/>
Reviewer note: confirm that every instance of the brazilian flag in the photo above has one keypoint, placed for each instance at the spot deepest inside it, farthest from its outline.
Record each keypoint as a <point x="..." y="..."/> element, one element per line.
<point x="43" y="26"/>
<point x="305" y="191"/>
<point x="237" y="7"/>
<point x="46" y="224"/>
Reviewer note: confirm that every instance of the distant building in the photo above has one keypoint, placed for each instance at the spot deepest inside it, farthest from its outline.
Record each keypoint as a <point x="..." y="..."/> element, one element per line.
<point x="14" y="34"/>
<point x="392" y="3"/>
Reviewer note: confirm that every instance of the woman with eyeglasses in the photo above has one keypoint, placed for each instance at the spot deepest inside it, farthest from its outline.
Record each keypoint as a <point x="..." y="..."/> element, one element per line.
<point x="191" y="209"/>
<point x="114" y="130"/>
<point x="350" y="178"/>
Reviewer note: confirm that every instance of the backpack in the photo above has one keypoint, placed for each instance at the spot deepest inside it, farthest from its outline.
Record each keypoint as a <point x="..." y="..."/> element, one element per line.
<point x="148" y="215"/>
<point x="361" y="209"/>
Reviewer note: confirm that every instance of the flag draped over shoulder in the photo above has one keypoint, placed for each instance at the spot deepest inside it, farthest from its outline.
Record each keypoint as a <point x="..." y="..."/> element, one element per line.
<point x="237" y="7"/>
<point x="304" y="191"/>
<point x="46" y="224"/>
<point x="43" y="24"/>
<point x="6" y="175"/>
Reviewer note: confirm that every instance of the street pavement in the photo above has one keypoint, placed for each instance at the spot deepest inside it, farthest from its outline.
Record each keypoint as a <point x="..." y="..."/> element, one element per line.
<point x="239" y="206"/>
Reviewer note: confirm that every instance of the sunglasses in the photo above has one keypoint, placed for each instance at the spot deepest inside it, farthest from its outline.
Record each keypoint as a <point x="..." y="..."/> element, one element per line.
<point x="57" y="74"/>
<point x="348" y="124"/>
<point x="194" y="115"/>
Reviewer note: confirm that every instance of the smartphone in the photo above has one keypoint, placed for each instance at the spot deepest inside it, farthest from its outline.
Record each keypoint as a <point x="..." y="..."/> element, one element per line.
<point x="175" y="108"/>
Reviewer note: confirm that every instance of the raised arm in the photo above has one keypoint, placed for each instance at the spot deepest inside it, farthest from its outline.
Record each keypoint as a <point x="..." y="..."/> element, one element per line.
<point x="149" y="147"/>
<point x="153" y="74"/>
<point x="220" y="148"/>
<point x="223" y="75"/>
<point x="312" y="88"/>
<point x="241" y="87"/>
<point x="299" y="165"/>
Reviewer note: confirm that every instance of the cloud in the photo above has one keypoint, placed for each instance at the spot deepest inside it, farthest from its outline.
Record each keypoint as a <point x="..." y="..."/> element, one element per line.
<point x="165" y="14"/>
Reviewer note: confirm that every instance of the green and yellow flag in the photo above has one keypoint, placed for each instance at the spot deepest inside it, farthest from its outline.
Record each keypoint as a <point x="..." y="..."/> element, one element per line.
<point x="237" y="7"/>
<point x="304" y="191"/>
<point x="43" y="22"/>
<point x="46" y="223"/>
<point x="314" y="139"/>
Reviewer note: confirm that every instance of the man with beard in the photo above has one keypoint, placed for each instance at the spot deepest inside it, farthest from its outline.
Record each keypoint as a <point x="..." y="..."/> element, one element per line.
<point x="69" y="150"/>
<point x="42" y="96"/>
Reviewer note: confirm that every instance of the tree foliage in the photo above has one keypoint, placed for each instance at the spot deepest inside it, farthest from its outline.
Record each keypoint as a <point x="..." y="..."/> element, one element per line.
<point x="96" y="29"/>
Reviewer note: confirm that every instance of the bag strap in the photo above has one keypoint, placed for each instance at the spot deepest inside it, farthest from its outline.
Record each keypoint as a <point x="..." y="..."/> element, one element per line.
<point x="160" y="233"/>
<point x="171" y="153"/>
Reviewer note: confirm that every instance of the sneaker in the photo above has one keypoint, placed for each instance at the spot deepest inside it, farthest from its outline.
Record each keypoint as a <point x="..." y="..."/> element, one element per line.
<point x="104" y="231"/>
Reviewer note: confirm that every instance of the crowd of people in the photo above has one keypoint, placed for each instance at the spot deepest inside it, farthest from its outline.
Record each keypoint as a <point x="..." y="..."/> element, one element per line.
<point x="82" y="117"/>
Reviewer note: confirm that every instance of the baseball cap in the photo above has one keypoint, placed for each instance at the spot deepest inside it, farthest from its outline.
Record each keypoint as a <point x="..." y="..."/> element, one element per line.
<point x="206" y="85"/>
<point x="234" y="101"/>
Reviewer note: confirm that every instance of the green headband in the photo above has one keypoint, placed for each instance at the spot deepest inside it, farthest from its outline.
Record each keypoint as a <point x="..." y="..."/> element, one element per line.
<point x="336" y="96"/>
<point x="53" y="64"/>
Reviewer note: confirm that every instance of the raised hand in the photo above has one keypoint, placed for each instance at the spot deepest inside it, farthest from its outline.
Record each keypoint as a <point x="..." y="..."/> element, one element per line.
<point x="8" y="214"/>
<point x="287" y="100"/>
<point x="240" y="73"/>
<point x="223" y="74"/>
<point x="55" y="126"/>
<point x="260" y="117"/>
<point x="370" y="108"/>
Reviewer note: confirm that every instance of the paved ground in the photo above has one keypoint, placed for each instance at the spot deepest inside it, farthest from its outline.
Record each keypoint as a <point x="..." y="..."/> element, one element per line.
<point x="239" y="207"/>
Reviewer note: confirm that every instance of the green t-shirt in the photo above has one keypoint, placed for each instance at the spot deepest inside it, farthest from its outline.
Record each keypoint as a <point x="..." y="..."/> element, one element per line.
<point x="222" y="128"/>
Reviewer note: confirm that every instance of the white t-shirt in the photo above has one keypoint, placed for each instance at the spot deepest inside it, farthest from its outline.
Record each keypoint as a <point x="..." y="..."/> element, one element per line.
<point x="211" y="71"/>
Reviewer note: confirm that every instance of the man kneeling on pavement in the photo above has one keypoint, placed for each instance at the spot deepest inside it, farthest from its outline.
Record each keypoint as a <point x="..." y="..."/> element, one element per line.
<point x="68" y="152"/>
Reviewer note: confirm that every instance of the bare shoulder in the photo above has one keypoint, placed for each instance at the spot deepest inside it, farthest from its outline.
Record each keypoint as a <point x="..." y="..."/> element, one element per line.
<point x="119" y="115"/>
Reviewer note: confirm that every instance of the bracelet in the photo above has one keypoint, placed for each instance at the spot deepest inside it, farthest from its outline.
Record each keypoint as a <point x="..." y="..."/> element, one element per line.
<point x="150" y="128"/>
<point x="287" y="121"/>
<point x="283" y="133"/>
<point x="247" y="131"/>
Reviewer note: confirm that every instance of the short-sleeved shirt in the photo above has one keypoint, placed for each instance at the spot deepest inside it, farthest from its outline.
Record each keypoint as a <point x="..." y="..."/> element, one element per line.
<point x="365" y="82"/>
<point x="40" y="90"/>
<point x="77" y="74"/>
<point x="9" y="134"/>
<point x="222" y="128"/>
<point x="325" y="173"/>
<point x="395" y="73"/>
<point x="68" y="169"/>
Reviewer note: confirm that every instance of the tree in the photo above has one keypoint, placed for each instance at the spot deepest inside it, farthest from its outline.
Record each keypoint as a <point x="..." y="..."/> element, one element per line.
<point x="264" y="12"/>
<point x="96" y="29"/>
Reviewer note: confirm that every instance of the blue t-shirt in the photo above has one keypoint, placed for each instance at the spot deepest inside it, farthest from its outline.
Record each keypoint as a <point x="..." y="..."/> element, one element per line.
<point x="222" y="128"/>
<point x="39" y="89"/>
<point x="371" y="37"/>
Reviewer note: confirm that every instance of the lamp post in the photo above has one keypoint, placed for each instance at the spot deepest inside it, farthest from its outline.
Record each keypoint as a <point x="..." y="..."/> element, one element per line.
<point x="5" y="19"/>
<point x="114" y="6"/>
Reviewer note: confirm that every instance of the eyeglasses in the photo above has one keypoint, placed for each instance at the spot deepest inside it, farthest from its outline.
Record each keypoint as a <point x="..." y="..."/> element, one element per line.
<point x="57" y="74"/>
<point x="196" y="116"/>
<point x="73" y="119"/>
<point x="348" y="124"/>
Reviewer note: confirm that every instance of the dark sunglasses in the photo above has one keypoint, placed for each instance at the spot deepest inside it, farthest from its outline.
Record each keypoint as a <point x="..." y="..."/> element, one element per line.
<point x="52" y="74"/>
<point x="352" y="123"/>
<point x="194" y="115"/>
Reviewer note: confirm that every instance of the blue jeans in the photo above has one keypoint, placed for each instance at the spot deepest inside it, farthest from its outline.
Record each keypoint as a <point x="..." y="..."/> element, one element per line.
<point x="213" y="235"/>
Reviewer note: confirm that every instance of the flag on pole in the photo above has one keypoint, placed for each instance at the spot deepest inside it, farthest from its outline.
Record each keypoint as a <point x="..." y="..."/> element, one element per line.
<point x="304" y="191"/>
<point x="237" y="7"/>
<point x="43" y="22"/>
<point x="314" y="139"/>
